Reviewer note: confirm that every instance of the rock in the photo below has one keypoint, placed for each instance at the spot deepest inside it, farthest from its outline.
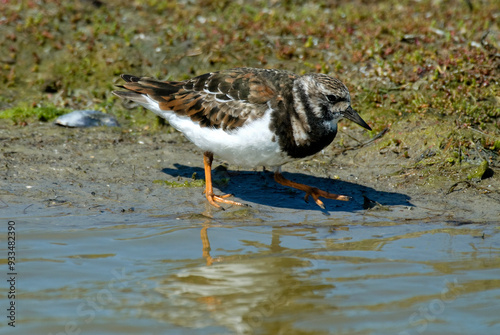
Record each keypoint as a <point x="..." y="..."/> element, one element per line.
<point x="480" y="172"/>
<point x="86" y="118"/>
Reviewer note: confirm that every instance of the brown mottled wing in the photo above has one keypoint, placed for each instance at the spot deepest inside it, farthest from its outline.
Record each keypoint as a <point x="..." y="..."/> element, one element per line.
<point x="223" y="99"/>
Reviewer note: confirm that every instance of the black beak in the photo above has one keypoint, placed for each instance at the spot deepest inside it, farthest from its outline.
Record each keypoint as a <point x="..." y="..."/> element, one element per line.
<point x="352" y="115"/>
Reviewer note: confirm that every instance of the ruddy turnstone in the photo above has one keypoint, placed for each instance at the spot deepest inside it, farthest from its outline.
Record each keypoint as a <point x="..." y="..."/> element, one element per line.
<point x="251" y="117"/>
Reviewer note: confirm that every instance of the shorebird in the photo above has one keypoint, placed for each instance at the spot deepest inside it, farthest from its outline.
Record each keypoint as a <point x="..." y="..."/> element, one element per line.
<point x="251" y="117"/>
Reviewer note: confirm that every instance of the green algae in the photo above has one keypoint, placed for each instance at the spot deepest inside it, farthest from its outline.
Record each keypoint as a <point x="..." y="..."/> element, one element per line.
<point x="175" y="184"/>
<point x="23" y="113"/>
<point x="479" y="171"/>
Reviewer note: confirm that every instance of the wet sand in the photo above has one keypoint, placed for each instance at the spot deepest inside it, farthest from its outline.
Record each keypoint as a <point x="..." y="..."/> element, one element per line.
<point x="114" y="170"/>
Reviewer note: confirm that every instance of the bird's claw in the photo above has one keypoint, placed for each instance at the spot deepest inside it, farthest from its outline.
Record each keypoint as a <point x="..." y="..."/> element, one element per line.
<point x="315" y="193"/>
<point x="213" y="199"/>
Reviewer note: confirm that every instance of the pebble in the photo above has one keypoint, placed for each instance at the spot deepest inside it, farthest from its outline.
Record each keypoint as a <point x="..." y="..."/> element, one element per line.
<point x="86" y="118"/>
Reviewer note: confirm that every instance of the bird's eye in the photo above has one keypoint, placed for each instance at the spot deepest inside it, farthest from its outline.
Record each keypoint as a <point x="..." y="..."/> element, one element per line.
<point x="332" y="98"/>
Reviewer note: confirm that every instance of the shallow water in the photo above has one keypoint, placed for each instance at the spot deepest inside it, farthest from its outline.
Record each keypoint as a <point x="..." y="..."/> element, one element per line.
<point x="238" y="273"/>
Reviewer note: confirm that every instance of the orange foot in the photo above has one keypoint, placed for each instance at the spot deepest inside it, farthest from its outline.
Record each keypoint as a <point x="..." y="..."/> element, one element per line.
<point x="213" y="199"/>
<point x="209" y="192"/>
<point x="314" y="192"/>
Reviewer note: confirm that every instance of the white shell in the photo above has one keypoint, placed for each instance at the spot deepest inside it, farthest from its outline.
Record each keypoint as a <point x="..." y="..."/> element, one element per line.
<point x="86" y="118"/>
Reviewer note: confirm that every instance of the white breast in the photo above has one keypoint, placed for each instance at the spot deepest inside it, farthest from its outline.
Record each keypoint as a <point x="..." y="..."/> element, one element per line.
<point x="250" y="145"/>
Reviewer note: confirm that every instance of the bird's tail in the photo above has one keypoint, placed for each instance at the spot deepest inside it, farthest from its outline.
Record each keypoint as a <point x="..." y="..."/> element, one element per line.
<point x="140" y="87"/>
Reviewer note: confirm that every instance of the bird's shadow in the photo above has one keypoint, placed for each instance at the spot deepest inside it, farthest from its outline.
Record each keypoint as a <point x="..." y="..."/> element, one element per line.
<point x="260" y="188"/>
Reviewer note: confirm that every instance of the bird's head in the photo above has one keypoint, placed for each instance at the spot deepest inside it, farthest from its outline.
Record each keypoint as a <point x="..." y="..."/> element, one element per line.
<point x="325" y="98"/>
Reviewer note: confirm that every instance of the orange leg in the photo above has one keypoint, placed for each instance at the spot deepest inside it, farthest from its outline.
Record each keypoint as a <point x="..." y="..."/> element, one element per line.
<point x="209" y="192"/>
<point x="314" y="192"/>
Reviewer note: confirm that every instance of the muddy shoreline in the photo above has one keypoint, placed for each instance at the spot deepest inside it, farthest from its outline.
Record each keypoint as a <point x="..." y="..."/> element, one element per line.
<point x="122" y="171"/>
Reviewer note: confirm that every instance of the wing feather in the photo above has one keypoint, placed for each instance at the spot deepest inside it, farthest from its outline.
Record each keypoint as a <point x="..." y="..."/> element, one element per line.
<point x="225" y="99"/>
